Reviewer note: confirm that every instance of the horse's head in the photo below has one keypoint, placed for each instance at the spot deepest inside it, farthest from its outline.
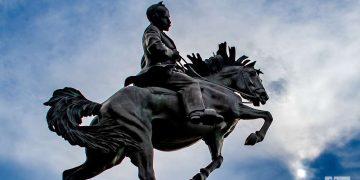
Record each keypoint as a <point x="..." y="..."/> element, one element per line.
<point x="246" y="79"/>
<point x="239" y="74"/>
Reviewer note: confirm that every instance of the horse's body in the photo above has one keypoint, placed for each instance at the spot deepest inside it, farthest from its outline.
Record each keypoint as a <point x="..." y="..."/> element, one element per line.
<point x="135" y="120"/>
<point x="167" y="120"/>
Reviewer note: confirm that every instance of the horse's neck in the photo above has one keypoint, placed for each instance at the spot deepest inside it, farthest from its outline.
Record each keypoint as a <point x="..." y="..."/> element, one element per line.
<point x="223" y="78"/>
<point x="217" y="80"/>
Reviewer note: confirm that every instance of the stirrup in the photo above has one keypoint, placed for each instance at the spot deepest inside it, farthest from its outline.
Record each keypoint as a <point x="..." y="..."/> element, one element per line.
<point x="207" y="117"/>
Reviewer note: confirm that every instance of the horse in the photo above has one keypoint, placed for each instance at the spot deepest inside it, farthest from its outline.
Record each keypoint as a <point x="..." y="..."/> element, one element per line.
<point x="135" y="120"/>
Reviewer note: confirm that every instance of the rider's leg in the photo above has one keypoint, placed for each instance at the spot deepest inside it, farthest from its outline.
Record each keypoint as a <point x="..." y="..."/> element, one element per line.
<point x="190" y="92"/>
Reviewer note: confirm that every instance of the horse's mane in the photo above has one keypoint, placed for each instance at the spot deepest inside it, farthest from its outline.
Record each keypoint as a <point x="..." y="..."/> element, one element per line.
<point x="217" y="62"/>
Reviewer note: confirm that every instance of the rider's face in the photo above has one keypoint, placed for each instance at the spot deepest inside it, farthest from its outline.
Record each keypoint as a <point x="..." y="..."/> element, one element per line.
<point x="162" y="21"/>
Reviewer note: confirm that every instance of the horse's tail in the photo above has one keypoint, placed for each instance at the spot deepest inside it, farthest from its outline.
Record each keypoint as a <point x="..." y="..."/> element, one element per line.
<point x="68" y="106"/>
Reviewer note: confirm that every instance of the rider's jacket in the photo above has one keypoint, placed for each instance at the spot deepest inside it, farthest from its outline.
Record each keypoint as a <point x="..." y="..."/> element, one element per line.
<point x="159" y="49"/>
<point x="159" y="54"/>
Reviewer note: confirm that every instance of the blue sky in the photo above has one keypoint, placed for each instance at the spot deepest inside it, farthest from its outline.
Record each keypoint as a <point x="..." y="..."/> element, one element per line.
<point x="307" y="49"/>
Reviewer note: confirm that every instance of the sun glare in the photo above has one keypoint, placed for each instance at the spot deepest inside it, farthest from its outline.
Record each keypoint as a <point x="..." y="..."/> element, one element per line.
<point x="301" y="173"/>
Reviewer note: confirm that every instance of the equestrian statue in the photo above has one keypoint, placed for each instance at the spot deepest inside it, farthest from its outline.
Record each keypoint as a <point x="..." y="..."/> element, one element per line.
<point x="171" y="104"/>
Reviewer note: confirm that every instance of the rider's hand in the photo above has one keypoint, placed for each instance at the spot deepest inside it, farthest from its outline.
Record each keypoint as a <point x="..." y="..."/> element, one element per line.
<point x="176" y="55"/>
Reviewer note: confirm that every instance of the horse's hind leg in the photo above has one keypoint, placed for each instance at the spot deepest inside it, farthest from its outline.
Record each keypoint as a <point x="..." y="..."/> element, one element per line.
<point x="95" y="164"/>
<point x="143" y="159"/>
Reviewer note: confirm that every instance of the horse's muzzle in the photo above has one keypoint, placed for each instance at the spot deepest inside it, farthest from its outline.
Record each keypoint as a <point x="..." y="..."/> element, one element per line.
<point x="262" y="95"/>
<point x="263" y="98"/>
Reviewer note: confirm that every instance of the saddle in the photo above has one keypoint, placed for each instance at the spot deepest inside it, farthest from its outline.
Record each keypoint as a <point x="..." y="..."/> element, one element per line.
<point x="148" y="76"/>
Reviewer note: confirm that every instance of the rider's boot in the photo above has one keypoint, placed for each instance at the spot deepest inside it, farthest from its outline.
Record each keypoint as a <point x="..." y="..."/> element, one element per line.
<point x="207" y="117"/>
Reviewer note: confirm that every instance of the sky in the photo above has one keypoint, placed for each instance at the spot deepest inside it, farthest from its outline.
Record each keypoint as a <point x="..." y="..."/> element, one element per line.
<point x="308" y="50"/>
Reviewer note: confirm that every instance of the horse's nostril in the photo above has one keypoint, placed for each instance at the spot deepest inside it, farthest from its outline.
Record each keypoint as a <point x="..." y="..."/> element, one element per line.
<point x="264" y="95"/>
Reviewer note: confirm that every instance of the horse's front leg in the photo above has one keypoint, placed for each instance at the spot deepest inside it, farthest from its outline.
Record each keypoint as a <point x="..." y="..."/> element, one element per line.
<point x="248" y="113"/>
<point x="215" y="142"/>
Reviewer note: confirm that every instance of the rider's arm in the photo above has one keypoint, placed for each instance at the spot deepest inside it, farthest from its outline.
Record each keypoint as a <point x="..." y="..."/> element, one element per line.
<point x="157" y="48"/>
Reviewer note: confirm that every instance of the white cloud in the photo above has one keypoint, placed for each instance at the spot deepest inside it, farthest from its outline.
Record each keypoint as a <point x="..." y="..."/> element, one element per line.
<point x="313" y="46"/>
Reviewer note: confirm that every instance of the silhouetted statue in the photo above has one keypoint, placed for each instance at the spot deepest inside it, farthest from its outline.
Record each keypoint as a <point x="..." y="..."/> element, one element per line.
<point x="152" y="113"/>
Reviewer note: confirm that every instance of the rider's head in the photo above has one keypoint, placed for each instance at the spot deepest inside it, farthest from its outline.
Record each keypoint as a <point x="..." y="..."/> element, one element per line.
<point x="159" y="16"/>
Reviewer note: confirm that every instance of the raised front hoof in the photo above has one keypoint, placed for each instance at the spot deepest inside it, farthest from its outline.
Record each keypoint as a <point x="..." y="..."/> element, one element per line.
<point x="199" y="176"/>
<point x="252" y="139"/>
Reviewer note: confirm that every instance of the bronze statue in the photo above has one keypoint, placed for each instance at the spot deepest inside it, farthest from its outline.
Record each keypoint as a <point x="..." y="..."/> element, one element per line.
<point x="139" y="118"/>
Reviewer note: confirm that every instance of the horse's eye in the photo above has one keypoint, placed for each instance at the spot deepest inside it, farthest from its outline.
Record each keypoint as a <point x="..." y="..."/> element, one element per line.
<point x="252" y="73"/>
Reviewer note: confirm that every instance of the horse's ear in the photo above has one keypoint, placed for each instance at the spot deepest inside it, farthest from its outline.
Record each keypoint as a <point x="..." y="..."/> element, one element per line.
<point x="243" y="57"/>
<point x="252" y="64"/>
<point x="245" y="62"/>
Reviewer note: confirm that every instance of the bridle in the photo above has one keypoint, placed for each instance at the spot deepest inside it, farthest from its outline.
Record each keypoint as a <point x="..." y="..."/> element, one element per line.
<point x="249" y="96"/>
<point x="247" y="87"/>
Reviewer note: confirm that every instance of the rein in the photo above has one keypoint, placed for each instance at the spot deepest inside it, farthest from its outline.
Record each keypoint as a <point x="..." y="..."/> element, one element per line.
<point x="204" y="79"/>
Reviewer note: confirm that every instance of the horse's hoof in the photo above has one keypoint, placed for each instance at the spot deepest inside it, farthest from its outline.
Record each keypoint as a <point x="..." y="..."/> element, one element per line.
<point x="199" y="176"/>
<point x="260" y="136"/>
<point x="252" y="139"/>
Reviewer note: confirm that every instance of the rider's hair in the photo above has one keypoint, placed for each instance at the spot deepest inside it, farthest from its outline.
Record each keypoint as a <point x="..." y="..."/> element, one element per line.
<point x="152" y="11"/>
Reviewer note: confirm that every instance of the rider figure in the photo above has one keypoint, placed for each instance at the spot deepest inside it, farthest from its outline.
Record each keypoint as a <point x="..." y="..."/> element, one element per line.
<point x="160" y="53"/>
